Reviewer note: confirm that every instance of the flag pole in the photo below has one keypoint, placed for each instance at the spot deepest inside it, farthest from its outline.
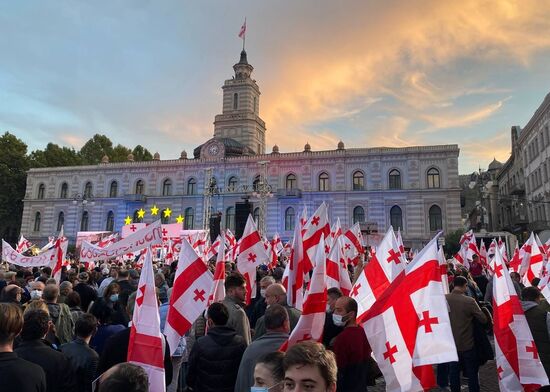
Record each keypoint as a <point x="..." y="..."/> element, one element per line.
<point x="244" y="35"/>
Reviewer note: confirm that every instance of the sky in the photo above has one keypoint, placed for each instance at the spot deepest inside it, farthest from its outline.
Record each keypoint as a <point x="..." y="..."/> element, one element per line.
<point x="369" y="73"/>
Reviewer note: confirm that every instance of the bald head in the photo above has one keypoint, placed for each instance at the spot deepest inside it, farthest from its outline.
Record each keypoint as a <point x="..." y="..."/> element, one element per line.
<point x="275" y="294"/>
<point x="346" y="307"/>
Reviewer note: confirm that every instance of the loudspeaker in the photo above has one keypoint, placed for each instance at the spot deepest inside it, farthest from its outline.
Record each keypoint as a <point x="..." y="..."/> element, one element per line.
<point x="215" y="221"/>
<point x="242" y="210"/>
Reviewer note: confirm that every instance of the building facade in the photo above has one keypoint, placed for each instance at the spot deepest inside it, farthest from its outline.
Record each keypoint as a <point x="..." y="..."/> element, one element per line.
<point x="412" y="188"/>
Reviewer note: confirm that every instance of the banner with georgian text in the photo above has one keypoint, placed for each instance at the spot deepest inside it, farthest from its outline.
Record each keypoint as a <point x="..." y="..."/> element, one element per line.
<point x="14" y="257"/>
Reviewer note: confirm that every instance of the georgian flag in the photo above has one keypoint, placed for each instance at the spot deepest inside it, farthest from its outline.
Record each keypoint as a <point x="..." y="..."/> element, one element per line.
<point x="337" y="274"/>
<point x="515" y="263"/>
<point x="23" y="245"/>
<point x="443" y="269"/>
<point x="214" y="248"/>
<point x="242" y="31"/>
<point x="293" y="277"/>
<point x="518" y="364"/>
<point x="128" y="230"/>
<point x="352" y="241"/>
<point x="316" y="227"/>
<point x="231" y="245"/>
<point x="217" y="293"/>
<point x="192" y="284"/>
<point x="61" y="244"/>
<point x="532" y="260"/>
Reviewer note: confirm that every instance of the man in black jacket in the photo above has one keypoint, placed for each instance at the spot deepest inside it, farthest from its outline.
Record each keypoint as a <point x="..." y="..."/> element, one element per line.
<point x="59" y="373"/>
<point x="83" y="358"/>
<point x="214" y="360"/>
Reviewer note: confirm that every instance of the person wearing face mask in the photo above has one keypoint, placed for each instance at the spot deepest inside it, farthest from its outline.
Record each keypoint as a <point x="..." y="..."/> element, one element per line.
<point x="111" y="301"/>
<point x="276" y="294"/>
<point x="269" y="373"/>
<point x="351" y="347"/>
<point x="36" y="289"/>
<point x="330" y="331"/>
<point x="214" y="359"/>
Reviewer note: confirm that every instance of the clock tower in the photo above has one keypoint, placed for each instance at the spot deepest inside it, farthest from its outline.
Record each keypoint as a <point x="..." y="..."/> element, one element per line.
<point x="240" y="119"/>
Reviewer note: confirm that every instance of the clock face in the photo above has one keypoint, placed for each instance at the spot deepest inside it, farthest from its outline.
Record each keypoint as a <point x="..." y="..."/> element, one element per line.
<point x="214" y="149"/>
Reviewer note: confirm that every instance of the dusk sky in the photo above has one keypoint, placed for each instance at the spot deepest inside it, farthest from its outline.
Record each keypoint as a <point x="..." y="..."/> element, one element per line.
<point x="371" y="73"/>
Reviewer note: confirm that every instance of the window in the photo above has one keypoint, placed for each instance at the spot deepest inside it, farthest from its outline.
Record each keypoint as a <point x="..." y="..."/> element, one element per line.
<point x="163" y="218"/>
<point x="88" y="190"/>
<point x="256" y="216"/>
<point x="41" y="191"/>
<point x="255" y="102"/>
<point x="435" y="218"/>
<point x="232" y="184"/>
<point x="395" y="179"/>
<point x="323" y="182"/>
<point x="433" y="178"/>
<point x="358" y="181"/>
<point x="110" y="226"/>
<point x="396" y="218"/>
<point x="136" y="218"/>
<point x="60" y="220"/>
<point x="358" y="214"/>
<point x="189" y="217"/>
<point x="113" y="191"/>
<point x="235" y="101"/>
<point x="290" y="219"/>
<point x="64" y="190"/>
<point x="230" y="218"/>
<point x="37" y="218"/>
<point x="291" y="182"/>
<point x="255" y="183"/>
<point x="140" y="187"/>
<point x="167" y="187"/>
<point x="84" y="221"/>
<point x="191" y="186"/>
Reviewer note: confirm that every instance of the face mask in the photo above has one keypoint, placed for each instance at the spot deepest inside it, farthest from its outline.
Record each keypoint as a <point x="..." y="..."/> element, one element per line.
<point x="262" y="293"/>
<point x="263" y="389"/>
<point x="36" y="294"/>
<point x="113" y="297"/>
<point x="338" y="320"/>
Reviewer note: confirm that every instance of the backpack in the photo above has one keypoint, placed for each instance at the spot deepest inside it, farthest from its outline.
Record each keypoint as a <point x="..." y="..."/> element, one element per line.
<point x="64" y="325"/>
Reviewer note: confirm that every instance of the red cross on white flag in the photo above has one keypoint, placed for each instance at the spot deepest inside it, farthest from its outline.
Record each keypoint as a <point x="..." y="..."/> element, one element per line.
<point x="353" y="244"/>
<point x="293" y="278"/>
<point x="533" y="258"/>
<point x="337" y="274"/>
<point x="316" y="227"/>
<point x="217" y="293"/>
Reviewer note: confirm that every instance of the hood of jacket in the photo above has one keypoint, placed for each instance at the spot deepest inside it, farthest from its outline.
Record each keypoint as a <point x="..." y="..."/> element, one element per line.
<point x="526" y="305"/>
<point x="54" y="310"/>
<point x="222" y="335"/>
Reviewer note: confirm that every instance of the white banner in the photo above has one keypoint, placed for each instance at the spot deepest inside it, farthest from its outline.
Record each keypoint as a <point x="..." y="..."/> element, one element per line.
<point x="12" y="256"/>
<point x="148" y="236"/>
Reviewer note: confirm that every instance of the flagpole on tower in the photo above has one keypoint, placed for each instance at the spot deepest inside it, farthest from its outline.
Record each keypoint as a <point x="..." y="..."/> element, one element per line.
<point x="242" y="32"/>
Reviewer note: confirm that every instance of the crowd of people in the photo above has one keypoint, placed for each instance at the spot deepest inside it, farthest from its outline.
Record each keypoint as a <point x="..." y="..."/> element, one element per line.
<point x="74" y="336"/>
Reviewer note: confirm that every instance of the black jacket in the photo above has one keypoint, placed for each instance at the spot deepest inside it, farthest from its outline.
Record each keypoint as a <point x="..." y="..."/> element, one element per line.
<point x="214" y="360"/>
<point x="84" y="361"/>
<point x="87" y="295"/>
<point x="116" y="351"/>
<point x="126" y="288"/>
<point x="59" y="373"/>
<point x="20" y="375"/>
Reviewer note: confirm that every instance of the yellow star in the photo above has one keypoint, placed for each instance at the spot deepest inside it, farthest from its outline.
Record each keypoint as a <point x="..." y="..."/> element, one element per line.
<point x="167" y="212"/>
<point x="154" y="210"/>
<point x="128" y="220"/>
<point x="141" y="213"/>
<point x="179" y="219"/>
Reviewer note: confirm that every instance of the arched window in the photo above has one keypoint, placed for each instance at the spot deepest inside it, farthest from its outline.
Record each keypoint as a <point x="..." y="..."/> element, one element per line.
<point x="256" y="183"/>
<point x="37" y="218"/>
<point x="84" y="221"/>
<point x="235" y="101"/>
<point x="164" y="219"/>
<point x="110" y="225"/>
<point x="290" y="219"/>
<point x="358" y="214"/>
<point x="396" y="218"/>
<point x="230" y="218"/>
<point x="64" y="191"/>
<point x="256" y="215"/>
<point x="41" y="191"/>
<point x="140" y="187"/>
<point x="232" y="184"/>
<point x="323" y="182"/>
<point x="191" y="186"/>
<point x="291" y="182"/>
<point x="60" y="220"/>
<point x="113" y="191"/>
<point x="358" y="180"/>
<point x="136" y="218"/>
<point x="436" y="221"/>
<point x="167" y="187"/>
<point x="433" y="178"/>
<point x="189" y="217"/>
<point x="88" y="190"/>
<point x="395" y="179"/>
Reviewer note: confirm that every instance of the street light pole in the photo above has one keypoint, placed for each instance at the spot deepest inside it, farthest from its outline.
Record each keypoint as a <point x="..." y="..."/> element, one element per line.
<point x="81" y="201"/>
<point x="263" y="192"/>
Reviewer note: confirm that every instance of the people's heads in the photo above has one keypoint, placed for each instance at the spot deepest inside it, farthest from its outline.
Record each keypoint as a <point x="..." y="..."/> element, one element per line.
<point x="309" y="367"/>
<point x="531" y="294"/>
<point x="534" y="282"/>
<point x="111" y="292"/>
<point x="235" y="286"/>
<point x="475" y="258"/>
<point x="460" y="284"/>
<point x="124" y="377"/>
<point x="35" y="304"/>
<point x="515" y="276"/>
<point x="65" y="288"/>
<point x="10" y="276"/>
<point x="277" y="274"/>
<point x="83" y="277"/>
<point x="85" y="326"/>
<point x="73" y="299"/>
<point x="123" y="274"/>
<point x="345" y="311"/>
<point x="37" y="287"/>
<point x="35" y="325"/>
<point x="46" y="272"/>
<point x="275" y="294"/>
<point x="159" y="279"/>
<point x="269" y="373"/>
<point x="217" y="315"/>
<point x="11" y="293"/>
<point x="50" y="293"/>
<point x="276" y="319"/>
<point x="332" y="295"/>
<point x="11" y="323"/>
<point x="265" y="282"/>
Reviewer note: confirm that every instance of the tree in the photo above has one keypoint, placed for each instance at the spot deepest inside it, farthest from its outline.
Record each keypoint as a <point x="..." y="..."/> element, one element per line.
<point x="120" y="154"/>
<point x="452" y="242"/>
<point x="55" y="156"/>
<point x="94" y="149"/>
<point x="14" y="164"/>
<point x="141" y="154"/>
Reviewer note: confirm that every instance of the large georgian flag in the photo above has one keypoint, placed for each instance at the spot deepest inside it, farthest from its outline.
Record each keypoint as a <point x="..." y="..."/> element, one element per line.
<point x="518" y="364"/>
<point x="337" y="274"/>
<point x="192" y="285"/>
<point x="352" y="241"/>
<point x="293" y="278"/>
<point x="146" y="346"/>
<point x="531" y="264"/>
<point x="316" y="227"/>
<point x="408" y="327"/>
<point x="217" y="293"/>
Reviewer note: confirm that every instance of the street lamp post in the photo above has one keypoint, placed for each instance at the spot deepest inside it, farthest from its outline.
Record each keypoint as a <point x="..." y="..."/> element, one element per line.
<point x="81" y="201"/>
<point x="263" y="193"/>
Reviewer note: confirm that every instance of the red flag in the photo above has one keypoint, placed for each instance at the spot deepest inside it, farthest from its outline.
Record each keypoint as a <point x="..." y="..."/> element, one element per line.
<point x="242" y="32"/>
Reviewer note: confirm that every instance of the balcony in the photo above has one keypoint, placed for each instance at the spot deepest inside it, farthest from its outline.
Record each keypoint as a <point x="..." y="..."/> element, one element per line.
<point x="539" y="225"/>
<point x="517" y="189"/>
<point x="135" y="198"/>
<point x="289" y="193"/>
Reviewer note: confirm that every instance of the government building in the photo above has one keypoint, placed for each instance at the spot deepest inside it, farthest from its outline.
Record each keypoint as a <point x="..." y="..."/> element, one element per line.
<point x="415" y="188"/>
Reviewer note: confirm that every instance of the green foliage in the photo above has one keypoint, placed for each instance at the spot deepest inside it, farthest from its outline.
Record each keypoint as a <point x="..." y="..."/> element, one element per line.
<point x="141" y="154"/>
<point x="94" y="149"/>
<point x="119" y="154"/>
<point x="452" y="242"/>
<point x="54" y="156"/>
